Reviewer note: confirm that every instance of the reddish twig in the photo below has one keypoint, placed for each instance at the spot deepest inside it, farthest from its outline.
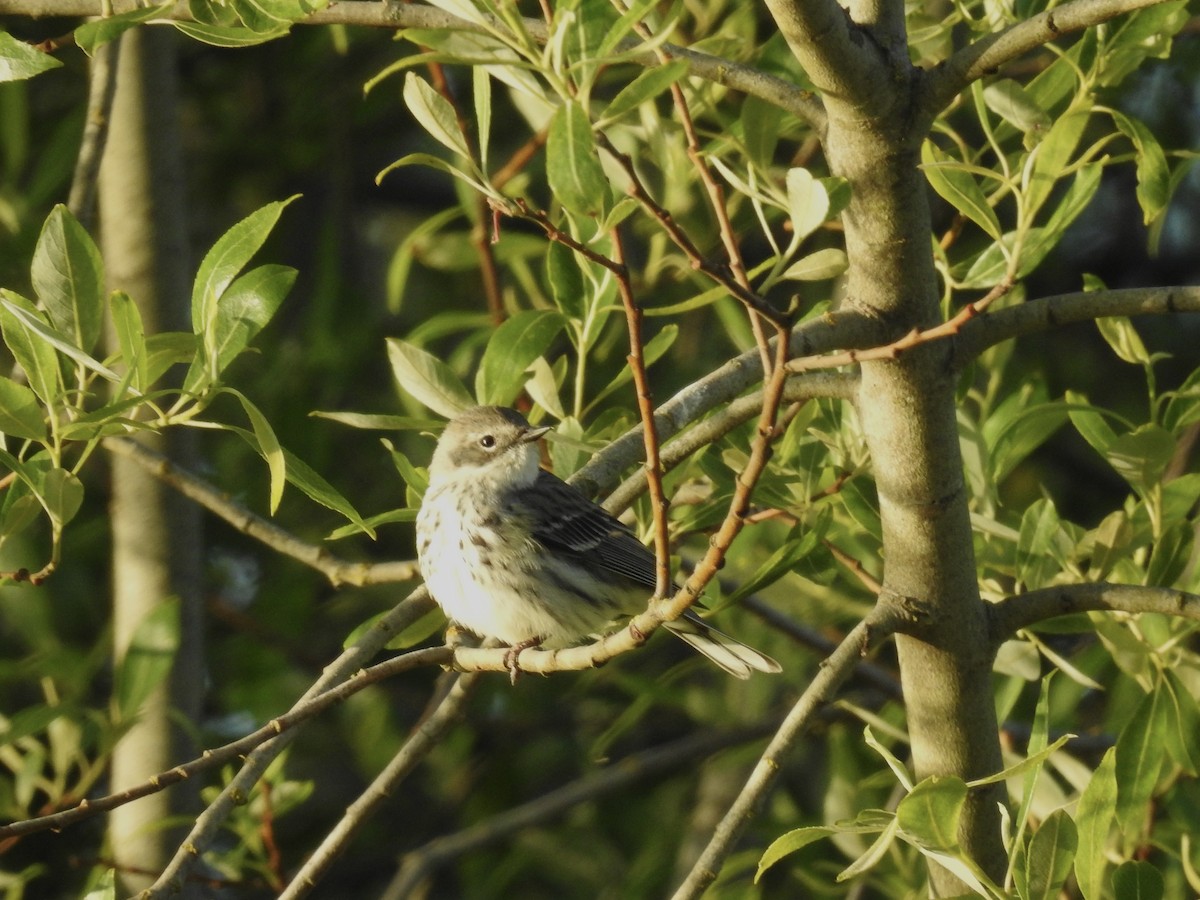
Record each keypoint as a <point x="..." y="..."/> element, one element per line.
<point x="653" y="465"/>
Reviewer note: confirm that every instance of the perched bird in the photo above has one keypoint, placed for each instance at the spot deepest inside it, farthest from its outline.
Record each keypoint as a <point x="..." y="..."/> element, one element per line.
<point x="513" y="552"/>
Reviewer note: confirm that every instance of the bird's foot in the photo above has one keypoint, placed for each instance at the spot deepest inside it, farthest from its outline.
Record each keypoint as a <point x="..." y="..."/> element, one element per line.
<point x="510" y="658"/>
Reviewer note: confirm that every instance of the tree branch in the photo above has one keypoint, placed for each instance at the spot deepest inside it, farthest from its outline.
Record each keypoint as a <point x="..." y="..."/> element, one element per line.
<point x="417" y="865"/>
<point x="338" y="571"/>
<point x="208" y="823"/>
<point x="983" y="331"/>
<point x="396" y="14"/>
<point x="986" y="55"/>
<point x="1024" y="610"/>
<point x="227" y="753"/>
<point x="831" y="49"/>
<point x="407" y="757"/>
<point x="883" y="621"/>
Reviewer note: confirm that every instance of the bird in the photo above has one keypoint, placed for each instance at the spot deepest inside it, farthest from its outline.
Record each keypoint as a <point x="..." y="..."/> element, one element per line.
<point x="511" y="551"/>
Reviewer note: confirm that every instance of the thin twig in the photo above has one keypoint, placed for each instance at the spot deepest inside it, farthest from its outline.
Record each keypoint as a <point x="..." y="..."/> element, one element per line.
<point x="653" y="466"/>
<point x="338" y="571"/>
<point x="699" y="262"/>
<point x="417" y="865"/>
<point x="207" y="825"/>
<point x="102" y="86"/>
<point x="821" y="690"/>
<point x="415" y="749"/>
<point x="219" y="756"/>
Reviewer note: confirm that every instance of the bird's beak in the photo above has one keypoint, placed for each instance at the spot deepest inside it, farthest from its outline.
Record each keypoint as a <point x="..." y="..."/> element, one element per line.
<point x="532" y="434"/>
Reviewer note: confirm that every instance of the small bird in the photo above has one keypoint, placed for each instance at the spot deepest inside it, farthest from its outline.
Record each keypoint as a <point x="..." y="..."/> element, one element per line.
<point x="511" y="551"/>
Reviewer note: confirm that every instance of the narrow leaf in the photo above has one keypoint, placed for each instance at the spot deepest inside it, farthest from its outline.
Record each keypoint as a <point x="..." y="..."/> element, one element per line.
<point x="147" y="660"/>
<point x="1093" y="822"/>
<point x="1049" y="858"/>
<point x="434" y="113"/>
<point x="573" y="164"/>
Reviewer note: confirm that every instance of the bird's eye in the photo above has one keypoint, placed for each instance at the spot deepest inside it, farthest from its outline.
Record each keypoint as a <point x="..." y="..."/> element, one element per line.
<point x="487" y="442"/>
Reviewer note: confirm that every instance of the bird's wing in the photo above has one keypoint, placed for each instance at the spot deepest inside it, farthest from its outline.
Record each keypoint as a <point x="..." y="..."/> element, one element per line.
<point x="568" y="523"/>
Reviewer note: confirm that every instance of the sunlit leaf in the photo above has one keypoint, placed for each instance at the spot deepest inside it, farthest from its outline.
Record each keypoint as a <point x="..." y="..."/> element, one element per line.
<point x="511" y="349"/>
<point x="18" y="60"/>
<point x="427" y="379"/>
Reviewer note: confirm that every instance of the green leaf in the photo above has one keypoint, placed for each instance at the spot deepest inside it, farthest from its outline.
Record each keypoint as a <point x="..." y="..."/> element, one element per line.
<point x="229" y="35"/>
<point x="1139" y="757"/>
<point x="1037" y="556"/>
<point x="573" y="163"/>
<point x="68" y="278"/>
<point x="808" y="202"/>
<point x="434" y="113"/>
<point x="482" y="95"/>
<point x="242" y="311"/>
<point x="97" y="32"/>
<point x="131" y="338"/>
<point x="1141" y="456"/>
<point x="1119" y="332"/>
<point x="1021" y="430"/>
<point x="427" y="379"/>
<point x="824" y="264"/>
<point x="511" y="349"/>
<point x="1049" y="858"/>
<point x="1090" y="424"/>
<point x="301" y="475"/>
<point x="1171" y="554"/>
<point x="1137" y="879"/>
<point x="228" y="256"/>
<point x="39" y="331"/>
<point x="18" y="60"/>
<point x="1183" y="405"/>
<point x="147" y="660"/>
<point x="61" y="494"/>
<point x="267" y="444"/>
<point x="1183" y="723"/>
<point x="929" y="815"/>
<point x="566" y="280"/>
<point x="35" y="355"/>
<point x="1153" y="175"/>
<point x="1051" y="157"/>
<point x="959" y="188"/>
<point x="652" y="82"/>
<point x="21" y="415"/>
<point x="798" y="544"/>
<point x="652" y="352"/>
<point x="789" y="843"/>
<point x="28" y="721"/>
<point x="379" y="422"/>
<point x="1011" y="102"/>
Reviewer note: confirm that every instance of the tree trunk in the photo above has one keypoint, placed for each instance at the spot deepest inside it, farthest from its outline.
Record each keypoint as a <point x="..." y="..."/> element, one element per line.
<point x="156" y="534"/>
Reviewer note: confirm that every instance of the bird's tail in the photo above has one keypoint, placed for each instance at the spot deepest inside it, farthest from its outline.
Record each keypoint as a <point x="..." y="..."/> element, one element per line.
<point x="730" y="654"/>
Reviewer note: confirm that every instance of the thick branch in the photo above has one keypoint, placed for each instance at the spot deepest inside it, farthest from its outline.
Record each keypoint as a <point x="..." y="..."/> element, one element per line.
<point x="395" y="14"/>
<point x="830" y="48"/>
<point x="982" y="332"/>
<point x="987" y="54"/>
<point x="1024" y="610"/>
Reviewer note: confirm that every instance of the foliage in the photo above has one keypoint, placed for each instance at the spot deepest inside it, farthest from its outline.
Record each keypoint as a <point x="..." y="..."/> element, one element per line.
<point x="591" y="162"/>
